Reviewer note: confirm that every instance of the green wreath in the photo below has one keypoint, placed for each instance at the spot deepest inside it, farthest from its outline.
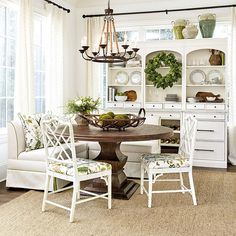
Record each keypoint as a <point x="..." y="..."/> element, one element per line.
<point x="160" y="60"/>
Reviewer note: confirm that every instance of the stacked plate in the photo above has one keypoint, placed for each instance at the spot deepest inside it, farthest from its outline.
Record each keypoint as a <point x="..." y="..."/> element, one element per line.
<point x="171" y="98"/>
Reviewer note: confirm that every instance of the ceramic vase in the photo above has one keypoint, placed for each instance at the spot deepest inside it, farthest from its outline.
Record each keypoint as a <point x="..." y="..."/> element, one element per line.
<point x="207" y="23"/>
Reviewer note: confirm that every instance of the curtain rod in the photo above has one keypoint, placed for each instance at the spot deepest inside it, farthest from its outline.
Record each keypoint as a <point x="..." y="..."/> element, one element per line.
<point x="61" y="7"/>
<point x="162" y="11"/>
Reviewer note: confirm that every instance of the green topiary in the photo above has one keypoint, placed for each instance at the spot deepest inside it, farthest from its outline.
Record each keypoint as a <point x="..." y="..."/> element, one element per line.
<point x="163" y="59"/>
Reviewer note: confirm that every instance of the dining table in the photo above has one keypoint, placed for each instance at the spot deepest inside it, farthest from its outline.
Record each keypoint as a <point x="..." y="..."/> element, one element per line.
<point x="110" y="142"/>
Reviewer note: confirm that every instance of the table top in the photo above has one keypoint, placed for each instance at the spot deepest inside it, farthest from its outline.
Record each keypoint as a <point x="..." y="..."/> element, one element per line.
<point x="141" y="133"/>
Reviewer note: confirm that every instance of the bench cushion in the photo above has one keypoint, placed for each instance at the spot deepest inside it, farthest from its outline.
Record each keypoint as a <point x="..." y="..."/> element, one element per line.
<point x="165" y="160"/>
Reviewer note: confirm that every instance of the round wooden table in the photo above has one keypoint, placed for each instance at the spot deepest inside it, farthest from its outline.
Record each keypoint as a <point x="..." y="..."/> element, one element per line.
<point x="110" y="153"/>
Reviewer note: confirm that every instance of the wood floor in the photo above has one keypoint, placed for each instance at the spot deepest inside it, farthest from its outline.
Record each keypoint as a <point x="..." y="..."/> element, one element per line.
<point x="8" y="194"/>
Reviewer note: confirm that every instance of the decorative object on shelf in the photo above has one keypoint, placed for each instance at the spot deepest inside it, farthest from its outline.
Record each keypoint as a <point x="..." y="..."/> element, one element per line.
<point x="197" y="77"/>
<point x="136" y="62"/>
<point x="160" y="60"/>
<point x="178" y="27"/>
<point x="190" y="31"/>
<point x="215" y="77"/>
<point x="192" y="100"/>
<point x="171" y="98"/>
<point x="111" y="94"/>
<point x="131" y="95"/>
<point x="210" y="99"/>
<point x="120" y="97"/>
<point x="215" y="58"/>
<point x="207" y="23"/>
<point x="202" y="96"/>
<point x="111" y="121"/>
<point x="122" y="78"/>
<point x="136" y="77"/>
<point x="108" y="50"/>
<point x="82" y="105"/>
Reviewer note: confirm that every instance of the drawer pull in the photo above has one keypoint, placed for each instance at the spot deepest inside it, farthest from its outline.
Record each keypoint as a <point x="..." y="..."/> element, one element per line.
<point x="203" y="150"/>
<point x="205" y="130"/>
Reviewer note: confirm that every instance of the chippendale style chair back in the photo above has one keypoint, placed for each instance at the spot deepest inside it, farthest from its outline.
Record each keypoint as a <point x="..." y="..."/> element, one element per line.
<point x="156" y="165"/>
<point x="62" y="162"/>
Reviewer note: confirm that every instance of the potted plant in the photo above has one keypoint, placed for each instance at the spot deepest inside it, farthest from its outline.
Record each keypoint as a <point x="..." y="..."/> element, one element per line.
<point x="82" y="105"/>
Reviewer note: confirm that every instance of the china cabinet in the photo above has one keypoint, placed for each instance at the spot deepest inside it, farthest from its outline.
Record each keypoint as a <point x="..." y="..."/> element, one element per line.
<point x="202" y="92"/>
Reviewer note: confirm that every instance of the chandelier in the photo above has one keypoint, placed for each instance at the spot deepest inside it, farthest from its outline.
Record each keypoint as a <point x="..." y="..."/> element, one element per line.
<point x="108" y="49"/>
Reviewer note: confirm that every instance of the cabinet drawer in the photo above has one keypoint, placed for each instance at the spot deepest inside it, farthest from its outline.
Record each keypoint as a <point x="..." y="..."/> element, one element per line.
<point x="213" y="151"/>
<point x="153" y="106"/>
<point x="132" y="105"/>
<point x="210" y="131"/>
<point x="115" y="104"/>
<point x="195" y="106"/>
<point x="170" y="116"/>
<point x="209" y="116"/>
<point x="215" y="106"/>
<point x="172" y="106"/>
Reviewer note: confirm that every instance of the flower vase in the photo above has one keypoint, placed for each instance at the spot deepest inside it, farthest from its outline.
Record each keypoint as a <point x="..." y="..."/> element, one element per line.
<point x="80" y="120"/>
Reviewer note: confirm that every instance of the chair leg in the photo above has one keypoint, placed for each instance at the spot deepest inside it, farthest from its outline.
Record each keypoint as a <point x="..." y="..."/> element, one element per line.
<point x="109" y="190"/>
<point x="73" y="202"/>
<point x="78" y="193"/>
<point x="45" y="196"/>
<point x="149" y="190"/>
<point x="181" y="181"/>
<point x="190" y="174"/>
<point x="142" y="179"/>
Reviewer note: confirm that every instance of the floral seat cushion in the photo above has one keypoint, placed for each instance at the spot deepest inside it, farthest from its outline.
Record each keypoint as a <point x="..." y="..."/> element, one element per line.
<point x="84" y="167"/>
<point x="166" y="160"/>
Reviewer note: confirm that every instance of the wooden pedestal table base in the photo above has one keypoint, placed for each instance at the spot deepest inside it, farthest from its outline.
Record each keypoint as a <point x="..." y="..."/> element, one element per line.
<point x="110" y="153"/>
<point x="122" y="188"/>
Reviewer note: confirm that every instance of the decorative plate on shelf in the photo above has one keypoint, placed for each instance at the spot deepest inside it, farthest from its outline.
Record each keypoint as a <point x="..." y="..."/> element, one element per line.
<point x="122" y="78"/>
<point x="215" y="77"/>
<point x="136" y="77"/>
<point x="197" y="77"/>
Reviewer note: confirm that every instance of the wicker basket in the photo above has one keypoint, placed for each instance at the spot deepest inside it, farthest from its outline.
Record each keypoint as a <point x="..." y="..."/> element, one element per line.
<point x="120" y="124"/>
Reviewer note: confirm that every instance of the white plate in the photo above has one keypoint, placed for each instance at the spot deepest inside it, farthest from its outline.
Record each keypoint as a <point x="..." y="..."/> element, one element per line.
<point x="215" y="77"/>
<point x="198" y="77"/>
<point x="136" y="77"/>
<point x="122" y="77"/>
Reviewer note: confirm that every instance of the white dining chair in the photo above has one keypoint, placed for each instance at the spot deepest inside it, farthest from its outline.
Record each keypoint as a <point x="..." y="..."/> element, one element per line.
<point x="62" y="163"/>
<point x="156" y="165"/>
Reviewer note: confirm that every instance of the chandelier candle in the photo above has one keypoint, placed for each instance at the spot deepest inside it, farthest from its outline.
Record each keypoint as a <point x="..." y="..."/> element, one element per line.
<point x="108" y="49"/>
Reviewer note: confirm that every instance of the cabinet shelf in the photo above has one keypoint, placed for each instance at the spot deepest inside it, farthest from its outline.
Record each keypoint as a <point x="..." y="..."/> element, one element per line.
<point x="124" y="85"/>
<point x="205" y="66"/>
<point x="175" y="85"/>
<point x="205" y="85"/>
<point x="126" y="68"/>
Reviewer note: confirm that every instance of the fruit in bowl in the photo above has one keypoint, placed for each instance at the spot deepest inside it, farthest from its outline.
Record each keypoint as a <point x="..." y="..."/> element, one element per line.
<point x="121" y="97"/>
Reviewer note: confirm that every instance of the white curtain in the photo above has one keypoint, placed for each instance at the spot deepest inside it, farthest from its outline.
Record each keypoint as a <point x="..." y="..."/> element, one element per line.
<point x="24" y="84"/>
<point x="93" y="29"/>
<point x="54" y="59"/>
<point x="232" y="100"/>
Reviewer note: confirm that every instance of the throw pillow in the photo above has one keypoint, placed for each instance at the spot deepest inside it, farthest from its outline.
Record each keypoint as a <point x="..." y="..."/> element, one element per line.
<point x="32" y="131"/>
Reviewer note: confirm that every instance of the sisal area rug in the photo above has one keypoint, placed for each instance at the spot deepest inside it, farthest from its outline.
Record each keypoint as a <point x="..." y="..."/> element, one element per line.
<point x="172" y="214"/>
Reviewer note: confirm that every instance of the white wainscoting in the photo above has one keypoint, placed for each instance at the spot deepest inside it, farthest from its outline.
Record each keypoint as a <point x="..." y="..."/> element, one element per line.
<point x="3" y="157"/>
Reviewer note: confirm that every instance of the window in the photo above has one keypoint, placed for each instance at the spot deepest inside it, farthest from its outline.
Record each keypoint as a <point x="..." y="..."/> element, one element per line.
<point x="159" y="34"/>
<point x="131" y="35"/>
<point x="8" y="23"/>
<point x="39" y="63"/>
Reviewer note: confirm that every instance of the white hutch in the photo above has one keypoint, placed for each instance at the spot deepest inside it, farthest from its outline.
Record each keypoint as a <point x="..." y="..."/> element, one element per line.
<point x="211" y="144"/>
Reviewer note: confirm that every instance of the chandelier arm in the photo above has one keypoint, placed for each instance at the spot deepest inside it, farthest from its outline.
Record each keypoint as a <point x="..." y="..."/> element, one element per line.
<point x="116" y="40"/>
<point x="87" y="59"/>
<point x="88" y="55"/>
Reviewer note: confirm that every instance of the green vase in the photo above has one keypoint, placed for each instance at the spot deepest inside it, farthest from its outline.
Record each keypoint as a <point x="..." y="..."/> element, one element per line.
<point x="207" y="28"/>
<point x="178" y="32"/>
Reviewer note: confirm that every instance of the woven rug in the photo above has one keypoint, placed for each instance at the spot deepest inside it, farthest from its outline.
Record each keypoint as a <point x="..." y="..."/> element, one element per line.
<point x="172" y="214"/>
